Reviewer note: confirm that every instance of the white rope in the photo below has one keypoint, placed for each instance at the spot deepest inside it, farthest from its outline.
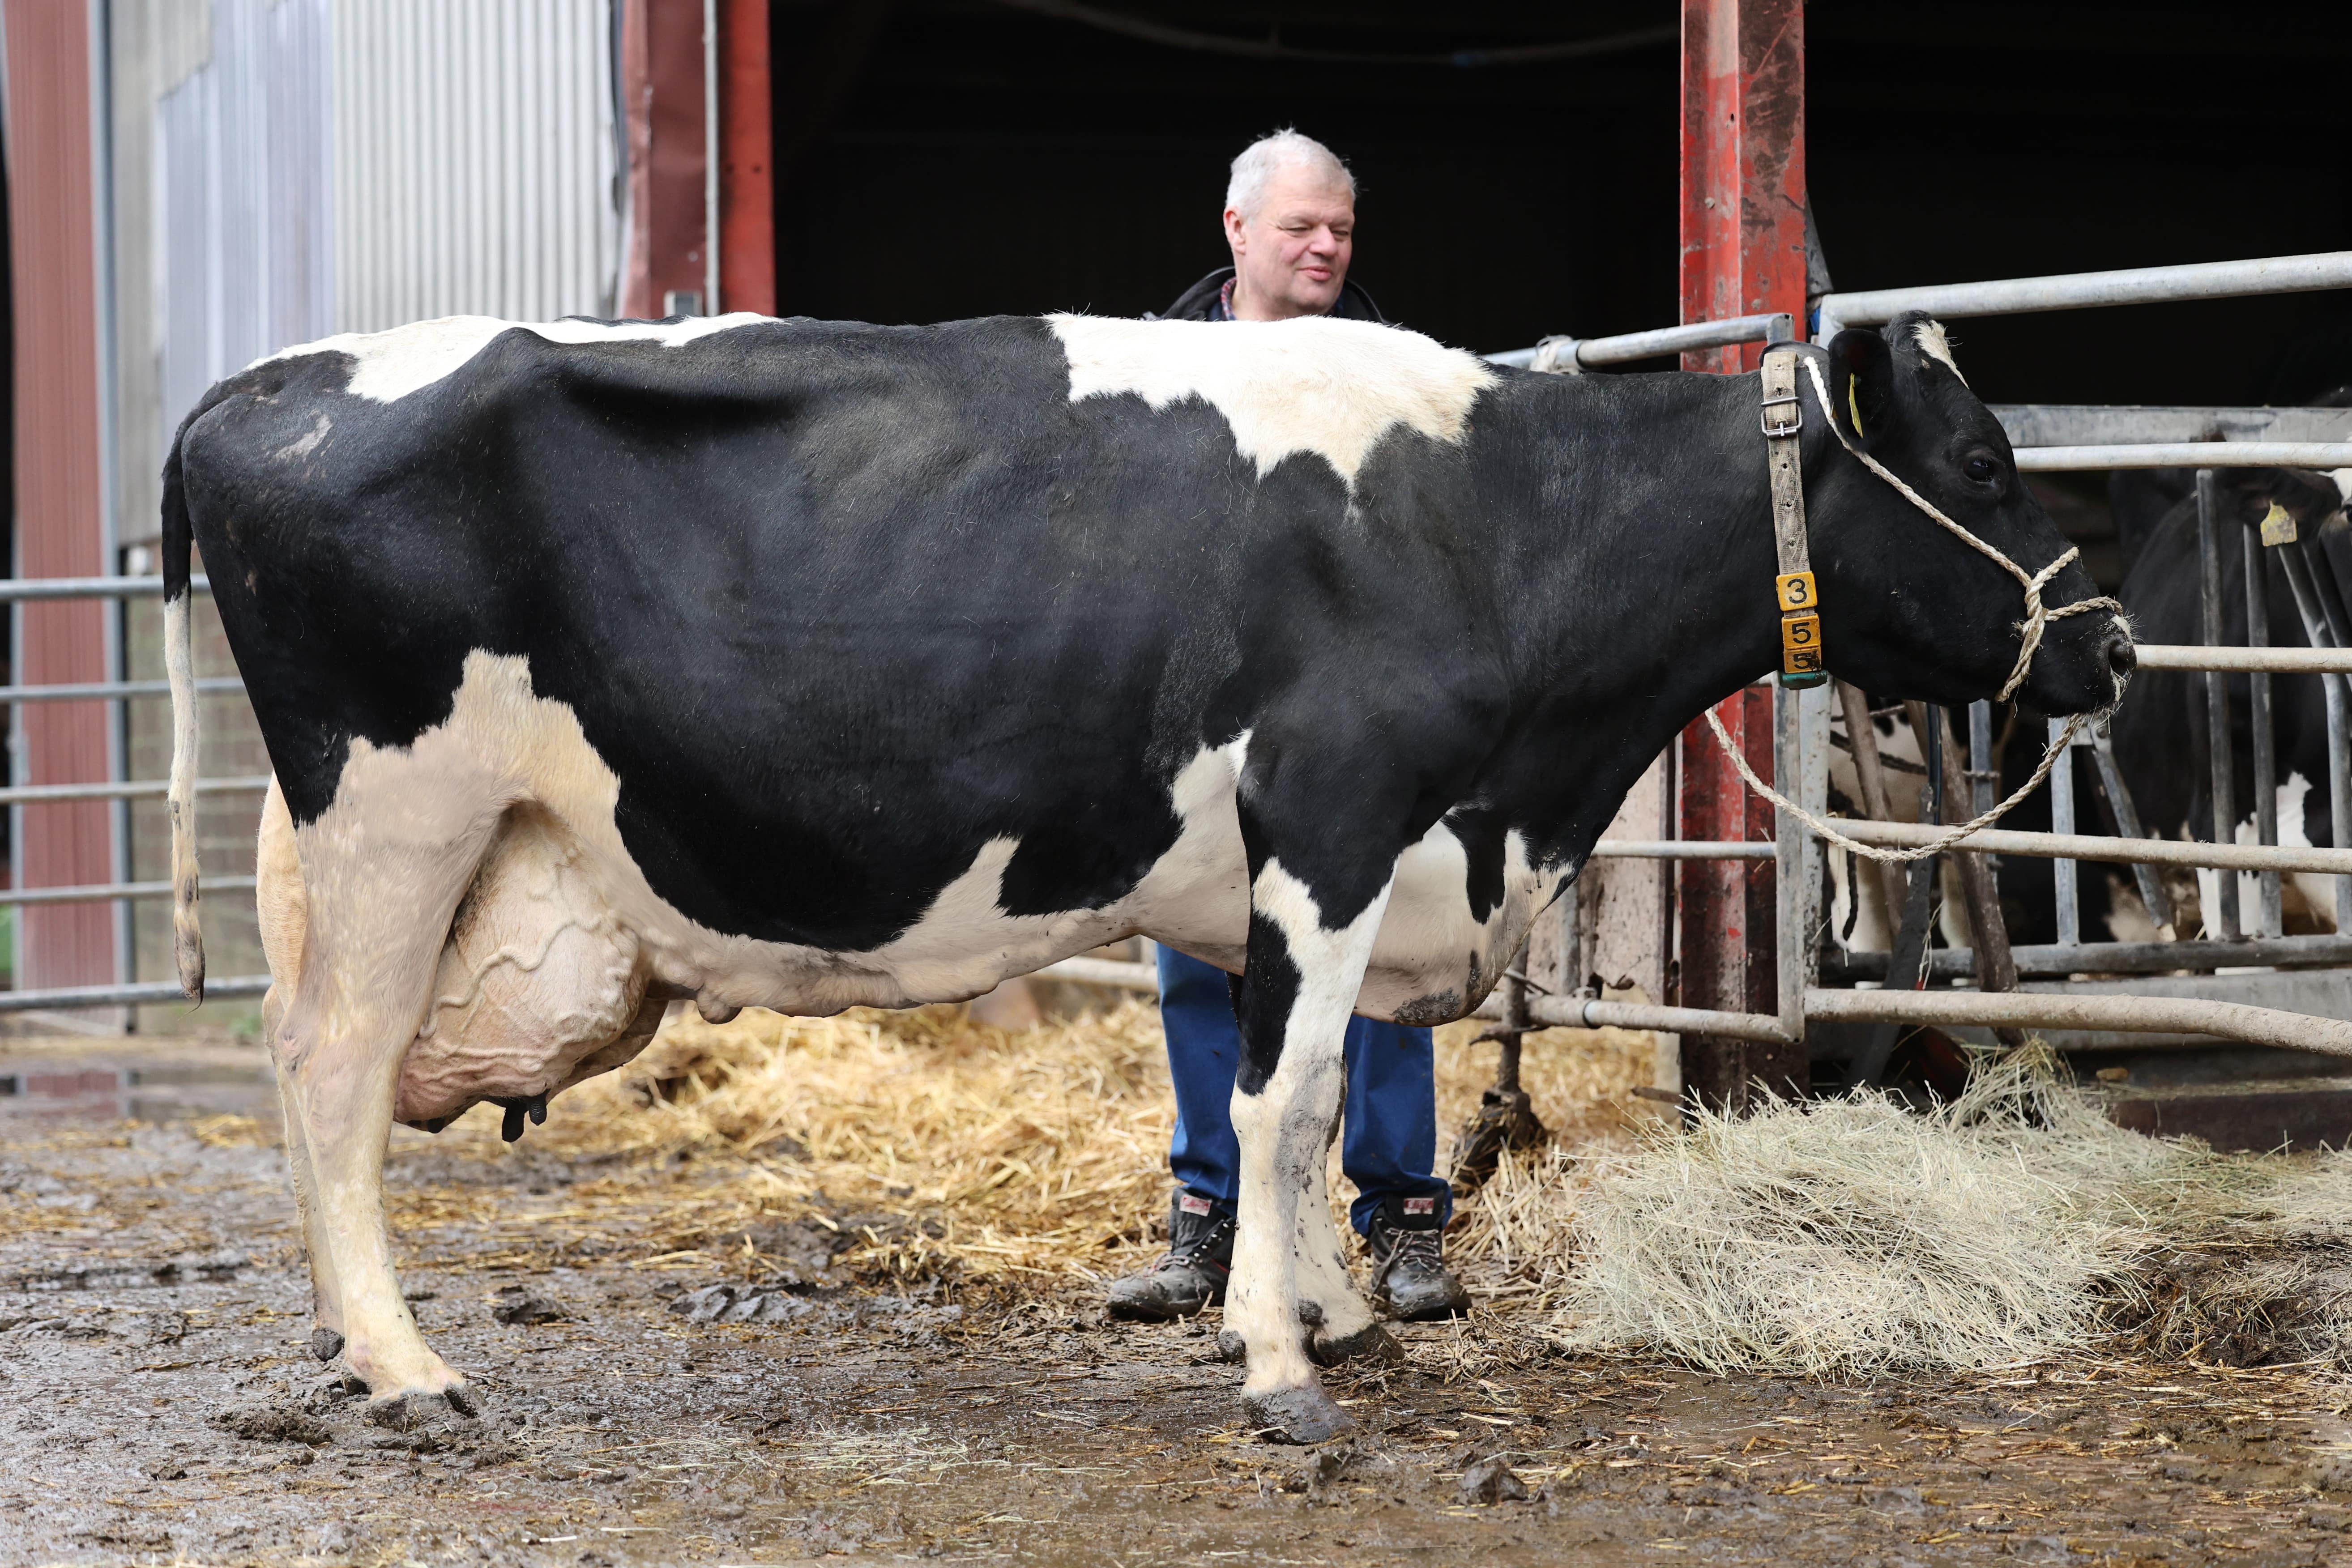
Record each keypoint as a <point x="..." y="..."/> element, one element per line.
<point x="2029" y="630"/>
<point x="2036" y="616"/>
<point x="1871" y="852"/>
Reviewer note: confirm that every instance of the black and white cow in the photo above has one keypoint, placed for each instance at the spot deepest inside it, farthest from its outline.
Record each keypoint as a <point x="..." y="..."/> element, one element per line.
<point x="807" y="666"/>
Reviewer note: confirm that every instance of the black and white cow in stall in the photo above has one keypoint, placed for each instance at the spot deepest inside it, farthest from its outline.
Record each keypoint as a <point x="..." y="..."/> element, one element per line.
<point x="808" y="665"/>
<point x="2159" y="731"/>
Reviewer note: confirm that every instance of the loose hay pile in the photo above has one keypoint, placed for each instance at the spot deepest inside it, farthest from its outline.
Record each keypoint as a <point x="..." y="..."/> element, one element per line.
<point x="1848" y="1237"/>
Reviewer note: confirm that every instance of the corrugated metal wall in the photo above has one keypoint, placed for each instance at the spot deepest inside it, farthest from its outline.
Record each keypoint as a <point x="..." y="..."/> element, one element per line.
<point x="474" y="159"/>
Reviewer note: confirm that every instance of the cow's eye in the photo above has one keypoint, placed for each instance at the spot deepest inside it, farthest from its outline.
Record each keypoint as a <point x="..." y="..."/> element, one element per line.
<point x="1983" y="469"/>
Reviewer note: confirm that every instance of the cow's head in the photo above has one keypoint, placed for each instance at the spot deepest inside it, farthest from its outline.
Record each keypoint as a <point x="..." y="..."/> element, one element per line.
<point x="1907" y="607"/>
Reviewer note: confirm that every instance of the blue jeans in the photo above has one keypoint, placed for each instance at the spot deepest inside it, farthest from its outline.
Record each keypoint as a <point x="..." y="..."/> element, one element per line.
<point x="1389" y="1137"/>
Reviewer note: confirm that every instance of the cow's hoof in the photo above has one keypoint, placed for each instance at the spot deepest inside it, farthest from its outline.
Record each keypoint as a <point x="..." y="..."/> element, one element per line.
<point x="326" y="1343"/>
<point x="1373" y="1342"/>
<point x="413" y="1412"/>
<point x="1295" y="1416"/>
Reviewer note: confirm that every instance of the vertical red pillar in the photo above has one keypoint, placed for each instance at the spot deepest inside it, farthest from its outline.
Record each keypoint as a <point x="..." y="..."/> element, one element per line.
<point x="746" y="199"/>
<point x="60" y="524"/>
<point x="661" y="77"/>
<point x="1743" y="253"/>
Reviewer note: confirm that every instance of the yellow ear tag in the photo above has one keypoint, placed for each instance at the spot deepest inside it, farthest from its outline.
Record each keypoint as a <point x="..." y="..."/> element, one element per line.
<point x="2278" y="528"/>
<point x="1854" y="403"/>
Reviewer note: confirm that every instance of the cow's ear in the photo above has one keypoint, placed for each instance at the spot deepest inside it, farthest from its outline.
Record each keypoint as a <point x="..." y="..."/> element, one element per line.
<point x="1861" y="386"/>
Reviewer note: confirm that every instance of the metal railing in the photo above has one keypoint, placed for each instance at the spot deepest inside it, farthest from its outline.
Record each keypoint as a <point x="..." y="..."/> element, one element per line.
<point x="130" y="993"/>
<point x="1569" y="355"/>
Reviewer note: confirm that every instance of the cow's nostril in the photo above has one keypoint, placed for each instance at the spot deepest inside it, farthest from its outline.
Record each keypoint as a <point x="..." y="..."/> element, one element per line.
<point x="2122" y="657"/>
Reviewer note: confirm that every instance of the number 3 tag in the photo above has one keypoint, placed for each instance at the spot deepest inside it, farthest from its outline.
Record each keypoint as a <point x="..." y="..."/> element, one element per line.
<point x="1796" y="590"/>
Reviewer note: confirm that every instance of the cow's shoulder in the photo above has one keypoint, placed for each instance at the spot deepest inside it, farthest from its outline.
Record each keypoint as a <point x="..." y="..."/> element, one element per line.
<point x="1314" y="384"/>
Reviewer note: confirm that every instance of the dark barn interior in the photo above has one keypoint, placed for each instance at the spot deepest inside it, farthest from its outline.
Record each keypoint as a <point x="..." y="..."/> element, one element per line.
<point x="945" y="158"/>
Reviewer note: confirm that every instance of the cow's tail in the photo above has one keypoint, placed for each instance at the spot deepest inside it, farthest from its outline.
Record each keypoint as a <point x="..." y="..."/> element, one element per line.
<point x="179" y="665"/>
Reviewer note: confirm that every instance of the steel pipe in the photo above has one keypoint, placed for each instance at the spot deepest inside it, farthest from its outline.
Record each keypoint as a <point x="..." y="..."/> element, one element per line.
<point x="2087" y="847"/>
<point x="2187" y="455"/>
<point x="111" y="691"/>
<point x="142" y="993"/>
<point x="100" y="893"/>
<point x="1624" y="348"/>
<point x="2237" y="660"/>
<point x="2050" y="961"/>
<point x="15" y="590"/>
<point x="2127" y="286"/>
<point x="2041" y="1009"/>
<point x="1578" y="1012"/>
<point x="136" y="790"/>
<point x="1682" y="849"/>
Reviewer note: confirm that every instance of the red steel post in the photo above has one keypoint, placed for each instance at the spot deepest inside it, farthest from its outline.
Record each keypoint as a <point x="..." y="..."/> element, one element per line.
<point x="747" y="203"/>
<point x="1743" y="253"/>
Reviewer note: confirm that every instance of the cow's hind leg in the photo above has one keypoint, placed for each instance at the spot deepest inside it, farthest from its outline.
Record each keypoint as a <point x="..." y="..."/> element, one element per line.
<point x="1294" y="1003"/>
<point x="382" y="870"/>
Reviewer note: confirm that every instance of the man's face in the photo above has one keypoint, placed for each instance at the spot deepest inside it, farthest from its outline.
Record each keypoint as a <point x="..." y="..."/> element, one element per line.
<point x="1291" y="256"/>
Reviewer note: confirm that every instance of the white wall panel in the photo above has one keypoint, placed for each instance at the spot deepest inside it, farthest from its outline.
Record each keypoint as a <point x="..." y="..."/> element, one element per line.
<point x="473" y="160"/>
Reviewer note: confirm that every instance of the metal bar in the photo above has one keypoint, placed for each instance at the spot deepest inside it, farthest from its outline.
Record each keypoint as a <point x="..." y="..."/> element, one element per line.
<point x="2062" y="823"/>
<point x="104" y="892"/>
<point x="2322" y="659"/>
<point x="113" y="691"/>
<point x="2315" y="626"/>
<point x="1576" y="1012"/>
<point x="1980" y="775"/>
<point x="1624" y="348"/>
<point x="2221" y="920"/>
<point x="137" y="789"/>
<point x="2122" y="852"/>
<point x="1792" y="925"/>
<point x="2127" y="286"/>
<point x="65" y="997"/>
<point x="2187" y="455"/>
<point x="2043" y="1010"/>
<point x="2047" y="960"/>
<point x="2127" y="815"/>
<point x="1681" y="850"/>
<point x="2269" y="914"/>
<point x="2101" y="424"/>
<point x="16" y="590"/>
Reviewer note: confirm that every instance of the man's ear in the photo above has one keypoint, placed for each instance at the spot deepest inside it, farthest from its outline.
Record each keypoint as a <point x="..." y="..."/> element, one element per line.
<point x="1861" y="386"/>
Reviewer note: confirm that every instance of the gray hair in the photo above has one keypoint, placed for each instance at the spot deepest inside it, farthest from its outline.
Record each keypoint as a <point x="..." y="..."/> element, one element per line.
<point x="1268" y="156"/>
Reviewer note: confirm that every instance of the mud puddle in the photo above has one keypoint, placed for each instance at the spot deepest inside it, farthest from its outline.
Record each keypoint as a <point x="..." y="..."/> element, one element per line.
<point x="158" y="1403"/>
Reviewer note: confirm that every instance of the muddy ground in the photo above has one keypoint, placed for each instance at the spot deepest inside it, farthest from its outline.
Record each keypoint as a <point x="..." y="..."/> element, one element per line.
<point x="158" y="1401"/>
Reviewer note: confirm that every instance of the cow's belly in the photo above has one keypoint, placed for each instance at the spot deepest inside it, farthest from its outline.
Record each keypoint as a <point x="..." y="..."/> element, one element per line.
<point x="548" y="970"/>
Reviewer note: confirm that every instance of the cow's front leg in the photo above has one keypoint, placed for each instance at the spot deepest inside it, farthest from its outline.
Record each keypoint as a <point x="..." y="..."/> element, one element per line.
<point x="1288" y="1272"/>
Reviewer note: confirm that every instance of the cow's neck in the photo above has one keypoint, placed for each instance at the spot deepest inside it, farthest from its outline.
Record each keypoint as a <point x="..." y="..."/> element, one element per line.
<point x="1650" y="586"/>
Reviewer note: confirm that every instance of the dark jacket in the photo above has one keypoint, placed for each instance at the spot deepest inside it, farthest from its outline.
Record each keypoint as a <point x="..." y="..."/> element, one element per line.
<point x="1195" y="303"/>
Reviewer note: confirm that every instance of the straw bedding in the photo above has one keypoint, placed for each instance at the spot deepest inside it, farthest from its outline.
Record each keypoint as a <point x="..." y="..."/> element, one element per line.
<point x="1840" y="1239"/>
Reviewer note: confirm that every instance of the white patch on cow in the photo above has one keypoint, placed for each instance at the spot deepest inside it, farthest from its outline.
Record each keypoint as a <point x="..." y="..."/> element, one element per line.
<point x="1431" y="946"/>
<point x="2343" y="478"/>
<point x="2316" y="888"/>
<point x="1929" y="335"/>
<point x="308" y="442"/>
<point x="393" y="364"/>
<point x="1287" y="1249"/>
<point x="1314" y="384"/>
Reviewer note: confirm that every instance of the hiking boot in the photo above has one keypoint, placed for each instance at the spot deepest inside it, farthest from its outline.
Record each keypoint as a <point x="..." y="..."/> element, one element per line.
<point x="1192" y="1276"/>
<point x="1408" y="1272"/>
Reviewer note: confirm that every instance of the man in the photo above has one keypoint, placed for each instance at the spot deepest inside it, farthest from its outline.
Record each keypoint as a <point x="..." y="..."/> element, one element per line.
<point x="1290" y="219"/>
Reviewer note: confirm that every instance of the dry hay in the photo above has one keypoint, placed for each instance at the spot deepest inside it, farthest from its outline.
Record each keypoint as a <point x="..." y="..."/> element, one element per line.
<point x="1855" y="1237"/>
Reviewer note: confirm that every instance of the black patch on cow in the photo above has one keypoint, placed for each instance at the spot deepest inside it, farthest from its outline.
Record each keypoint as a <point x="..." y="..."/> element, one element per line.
<point x="1262" y="1001"/>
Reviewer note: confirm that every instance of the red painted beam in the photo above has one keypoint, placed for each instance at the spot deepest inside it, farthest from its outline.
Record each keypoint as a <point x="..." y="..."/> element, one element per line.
<point x="61" y="529"/>
<point x="1743" y="253"/>
<point x="747" y="188"/>
<point x="661" y="77"/>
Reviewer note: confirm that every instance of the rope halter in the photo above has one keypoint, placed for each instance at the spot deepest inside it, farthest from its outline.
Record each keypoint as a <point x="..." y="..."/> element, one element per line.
<point x="1802" y="655"/>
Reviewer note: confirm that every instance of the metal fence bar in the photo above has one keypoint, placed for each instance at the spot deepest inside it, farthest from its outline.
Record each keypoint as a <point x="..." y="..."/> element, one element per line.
<point x="114" y="691"/>
<point x="2044" y="1009"/>
<point x="2269" y="917"/>
<point x="2062" y="824"/>
<point x="2047" y="960"/>
<point x="2323" y="659"/>
<point x="2127" y="286"/>
<point x="100" y="892"/>
<point x="136" y="790"/>
<point x="16" y="589"/>
<point x="2187" y="455"/>
<point x="1624" y="348"/>
<point x="2120" y="851"/>
<point x="2221" y="920"/>
<point x="1683" y="849"/>
<point x="134" y="995"/>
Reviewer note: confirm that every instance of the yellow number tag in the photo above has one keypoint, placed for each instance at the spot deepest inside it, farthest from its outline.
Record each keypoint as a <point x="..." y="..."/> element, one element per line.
<point x="1796" y="590"/>
<point x="1801" y="631"/>
<point x="2278" y="528"/>
<point x="1802" y="661"/>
